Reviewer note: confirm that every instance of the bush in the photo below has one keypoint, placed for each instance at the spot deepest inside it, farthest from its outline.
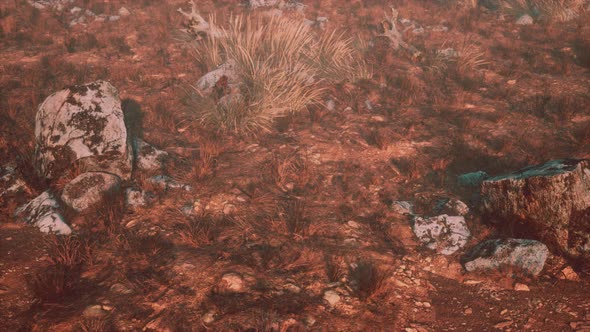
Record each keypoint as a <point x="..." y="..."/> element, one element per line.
<point x="281" y="67"/>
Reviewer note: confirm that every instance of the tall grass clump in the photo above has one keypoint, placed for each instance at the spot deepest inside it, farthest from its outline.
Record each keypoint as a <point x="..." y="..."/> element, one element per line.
<point x="279" y="67"/>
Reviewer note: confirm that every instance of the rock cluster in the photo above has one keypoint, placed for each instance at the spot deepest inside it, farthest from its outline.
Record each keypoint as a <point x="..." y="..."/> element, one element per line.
<point x="82" y="128"/>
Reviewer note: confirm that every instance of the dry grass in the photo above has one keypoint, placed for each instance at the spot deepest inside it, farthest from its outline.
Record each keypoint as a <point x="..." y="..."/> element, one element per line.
<point x="281" y="67"/>
<point x="557" y="10"/>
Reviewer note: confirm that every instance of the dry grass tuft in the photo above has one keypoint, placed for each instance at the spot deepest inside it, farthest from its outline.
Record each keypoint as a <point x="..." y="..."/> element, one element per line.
<point x="281" y="66"/>
<point x="557" y="10"/>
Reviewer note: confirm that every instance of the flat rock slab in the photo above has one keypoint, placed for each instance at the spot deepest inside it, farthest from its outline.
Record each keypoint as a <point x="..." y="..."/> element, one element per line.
<point x="85" y="123"/>
<point x="43" y="212"/>
<point x="550" y="202"/>
<point x="527" y="256"/>
<point x="445" y="234"/>
<point x="89" y="189"/>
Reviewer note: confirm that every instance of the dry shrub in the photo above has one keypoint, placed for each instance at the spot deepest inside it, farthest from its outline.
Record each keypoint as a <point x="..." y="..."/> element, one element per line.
<point x="335" y="268"/>
<point x="197" y="231"/>
<point x="68" y="250"/>
<point x="54" y="283"/>
<point x="292" y="173"/>
<point x="281" y="66"/>
<point x="557" y="10"/>
<point x="95" y="325"/>
<point x="294" y="214"/>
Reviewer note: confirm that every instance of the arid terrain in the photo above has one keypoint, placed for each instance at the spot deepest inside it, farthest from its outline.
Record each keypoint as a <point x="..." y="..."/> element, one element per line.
<point x="302" y="226"/>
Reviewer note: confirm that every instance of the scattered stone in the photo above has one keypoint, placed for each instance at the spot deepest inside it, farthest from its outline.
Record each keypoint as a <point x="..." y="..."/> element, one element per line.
<point x="472" y="179"/>
<point x="403" y="207"/>
<point x="94" y="311"/>
<point x="136" y="198"/>
<point x="569" y="274"/>
<point x="166" y="182"/>
<point x="292" y="288"/>
<point x="550" y="201"/>
<point x="262" y="3"/>
<point x="231" y="283"/>
<point x="147" y="157"/>
<point x="503" y="324"/>
<point x="85" y="123"/>
<point x="525" y="19"/>
<point x="208" y="317"/>
<point x="11" y="183"/>
<point x="332" y="298"/>
<point x="445" y="234"/>
<point x="447" y="53"/>
<point x="468" y="311"/>
<point x="521" y="287"/>
<point x="114" y="18"/>
<point x="453" y="207"/>
<point x="42" y="212"/>
<point x="76" y="10"/>
<point x="528" y="256"/>
<point x="121" y="289"/>
<point x="89" y="190"/>
<point x="124" y="12"/>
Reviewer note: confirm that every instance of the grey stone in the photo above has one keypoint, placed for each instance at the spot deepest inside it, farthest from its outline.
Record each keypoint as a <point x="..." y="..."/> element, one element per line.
<point x="445" y="234"/>
<point x="453" y="207"/>
<point x="84" y="123"/>
<point x="403" y="207"/>
<point x="166" y="182"/>
<point x="147" y="157"/>
<point x="11" y="183"/>
<point x="89" y="190"/>
<point x="43" y="212"/>
<point x="472" y="179"/>
<point x="528" y="256"/>
<point x="232" y="283"/>
<point x="550" y="202"/>
<point x="136" y="198"/>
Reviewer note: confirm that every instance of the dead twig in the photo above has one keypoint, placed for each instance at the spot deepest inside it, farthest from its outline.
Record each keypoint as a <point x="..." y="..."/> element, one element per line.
<point x="391" y="32"/>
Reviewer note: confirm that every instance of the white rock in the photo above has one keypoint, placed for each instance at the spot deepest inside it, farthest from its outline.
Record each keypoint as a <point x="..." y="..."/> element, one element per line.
<point x="94" y="311"/>
<point x="114" y="18"/>
<point x="123" y="12"/>
<point x="43" y="213"/>
<point x="84" y="123"/>
<point x="89" y="189"/>
<point x="445" y="234"/>
<point x="232" y="283"/>
<point x="525" y="19"/>
<point x="76" y="10"/>
<point x="331" y="297"/>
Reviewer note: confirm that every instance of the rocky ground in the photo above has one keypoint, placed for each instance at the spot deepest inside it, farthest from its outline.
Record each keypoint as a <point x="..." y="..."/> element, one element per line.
<point x="356" y="215"/>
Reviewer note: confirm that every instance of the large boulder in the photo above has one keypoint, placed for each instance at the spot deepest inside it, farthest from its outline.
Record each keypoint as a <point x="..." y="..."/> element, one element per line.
<point x="43" y="212"/>
<point x="89" y="190"/>
<point x="84" y="123"/>
<point x="550" y="202"/>
<point x="525" y="256"/>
